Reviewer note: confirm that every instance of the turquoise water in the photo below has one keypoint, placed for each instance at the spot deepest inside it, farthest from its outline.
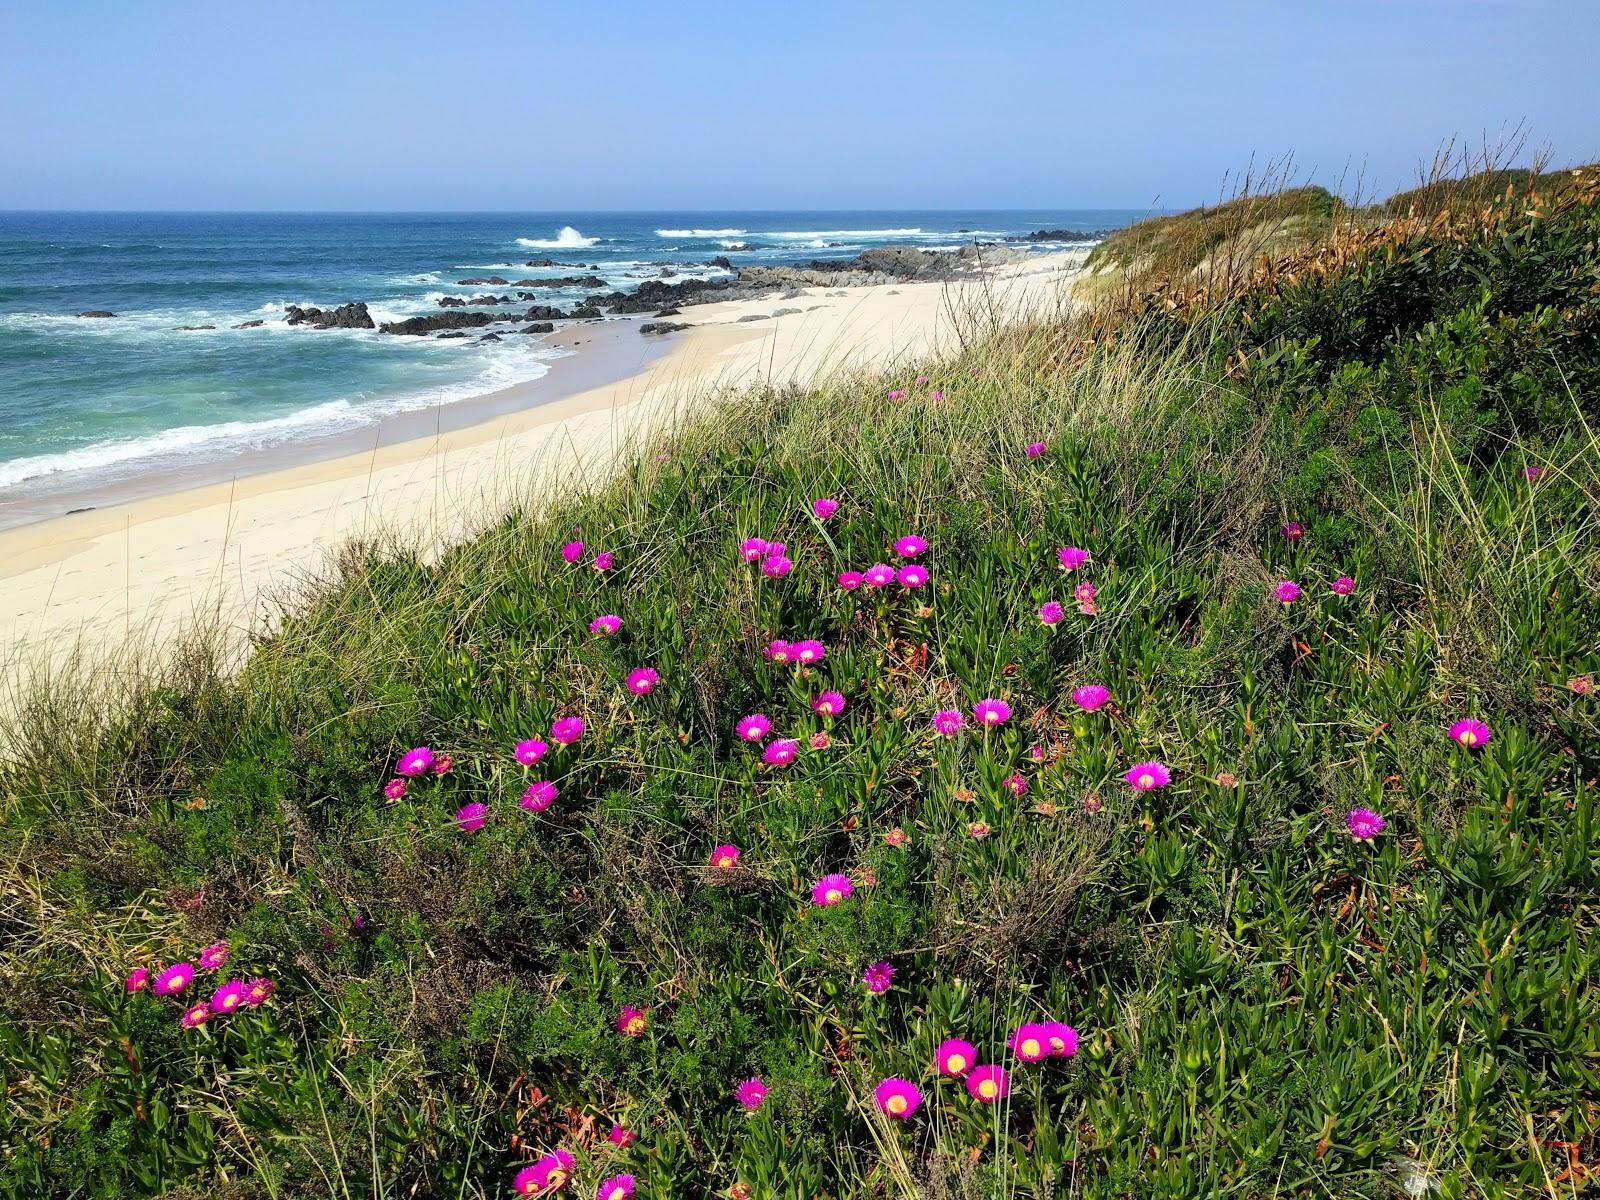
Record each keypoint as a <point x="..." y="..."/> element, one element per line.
<point x="84" y="400"/>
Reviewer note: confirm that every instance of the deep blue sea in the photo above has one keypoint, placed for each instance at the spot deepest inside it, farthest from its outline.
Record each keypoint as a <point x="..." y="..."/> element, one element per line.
<point x="85" y="399"/>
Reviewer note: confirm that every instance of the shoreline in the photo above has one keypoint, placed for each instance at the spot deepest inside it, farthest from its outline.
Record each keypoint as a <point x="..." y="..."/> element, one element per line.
<point x="141" y="569"/>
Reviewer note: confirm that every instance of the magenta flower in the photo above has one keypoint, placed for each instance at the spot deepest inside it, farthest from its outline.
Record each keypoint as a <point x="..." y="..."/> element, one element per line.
<point x="912" y="576"/>
<point x="1364" y="824"/>
<point x="910" y="546"/>
<point x="1085" y="593"/>
<point x="820" y="741"/>
<point x="442" y="764"/>
<point x="566" y="730"/>
<point x="618" y="1187"/>
<point x="1035" y="449"/>
<point x="1287" y="591"/>
<point x="851" y="580"/>
<point x="831" y="890"/>
<point x="922" y="381"/>
<point x="539" y="796"/>
<point x="897" y="1098"/>
<point x="1036" y="753"/>
<point x="780" y="753"/>
<point x="621" y="1136"/>
<point x="214" y="956"/>
<point x="415" y="761"/>
<point x="725" y="857"/>
<point x="936" y="395"/>
<point x="470" y="817"/>
<point x="948" y="721"/>
<point x="1532" y="473"/>
<point x="1294" y="531"/>
<point x="824" y="507"/>
<point x="751" y="1093"/>
<point x="604" y="561"/>
<point x="1030" y="1043"/>
<point x="1050" y="612"/>
<point x="897" y="394"/>
<point x="1063" y="1039"/>
<point x="1016" y="784"/>
<point x="1071" y="557"/>
<point x="753" y="549"/>
<point x="779" y="651"/>
<point x="642" y="680"/>
<point x="606" y="625"/>
<point x="631" y="1021"/>
<point x="776" y="566"/>
<point x="989" y="1083"/>
<point x="754" y="727"/>
<point x="174" y="979"/>
<point x="572" y="551"/>
<point x="258" y="991"/>
<point x="1470" y="733"/>
<point x="530" y="751"/>
<point x="955" y="1057"/>
<point x="195" y="1016"/>
<point x="395" y="789"/>
<point x="991" y="712"/>
<point x="809" y="651"/>
<point x="138" y="979"/>
<point x="829" y="704"/>
<point x="228" y="997"/>
<point x="880" y="575"/>
<point x="1147" y="776"/>
<point x="1342" y="586"/>
<point x="1091" y="696"/>
<point x="550" y="1173"/>
<point x="878" y="976"/>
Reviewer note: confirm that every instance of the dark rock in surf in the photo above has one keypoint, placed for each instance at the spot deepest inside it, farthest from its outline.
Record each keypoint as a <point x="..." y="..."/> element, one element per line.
<point x="486" y="281"/>
<point x="98" y="312"/>
<point x="346" y="316"/>
<point x="250" y="325"/>
<point x="540" y="327"/>
<point x="412" y="326"/>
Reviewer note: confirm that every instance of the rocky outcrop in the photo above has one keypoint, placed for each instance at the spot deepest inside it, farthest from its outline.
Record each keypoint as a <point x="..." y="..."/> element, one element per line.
<point x="736" y="247"/>
<point x="565" y="281"/>
<point x="98" y="312"/>
<point x="1060" y="235"/>
<point x="544" y="312"/>
<point x="434" y="322"/>
<point x="661" y="327"/>
<point x="489" y="337"/>
<point x="540" y="327"/>
<point x="541" y="262"/>
<point x="669" y="312"/>
<point x="486" y="281"/>
<point x="194" y="328"/>
<point x="250" y="325"/>
<point x="721" y="260"/>
<point x="346" y="316"/>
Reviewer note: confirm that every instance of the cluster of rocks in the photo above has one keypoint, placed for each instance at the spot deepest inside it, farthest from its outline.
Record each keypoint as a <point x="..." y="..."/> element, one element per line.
<point x="1060" y="235"/>
<point x="346" y="316"/>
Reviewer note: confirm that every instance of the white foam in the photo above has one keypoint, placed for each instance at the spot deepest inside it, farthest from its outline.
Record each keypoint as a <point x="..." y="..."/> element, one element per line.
<point x="568" y="239"/>
<point x="698" y="233"/>
<point x="812" y="234"/>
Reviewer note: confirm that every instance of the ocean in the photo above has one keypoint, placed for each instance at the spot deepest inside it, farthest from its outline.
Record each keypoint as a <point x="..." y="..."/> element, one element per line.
<point x="85" y="400"/>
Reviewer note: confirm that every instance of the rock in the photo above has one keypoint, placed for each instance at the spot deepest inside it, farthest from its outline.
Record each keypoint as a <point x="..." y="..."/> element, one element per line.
<point x="544" y="312"/>
<point x="752" y="317"/>
<point x="1059" y="235"/>
<point x="98" y="312"/>
<point x="489" y="337"/>
<point x="566" y="281"/>
<point x="666" y="273"/>
<point x="738" y="246"/>
<point x="434" y="322"/>
<point x="784" y="312"/>
<point x="454" y="333"/>
<point x="543" y="262"/>
<point x="451" y="302"/>
<point x="250" y="325"/>
<point x="540" y="327"/>
<point x="661" y="327"/>
<point x="587" y="311"/>
<point x="669" y="311"/>
<point x="74" y="511"/>
<point x="486" y="281"/>
<point x="346" y="316"/>
<point x="194" y="328"/>
<point x="481" y="301"/>
<point x="721" y="260"/>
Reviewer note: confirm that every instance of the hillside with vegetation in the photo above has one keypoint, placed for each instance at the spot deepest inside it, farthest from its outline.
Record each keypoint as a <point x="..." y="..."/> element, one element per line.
<point x="1152" y="754"/>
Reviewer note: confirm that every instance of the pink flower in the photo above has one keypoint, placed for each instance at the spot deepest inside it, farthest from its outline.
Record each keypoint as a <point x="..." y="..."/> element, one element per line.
<point x="1030" y="1043"/>
<point x="936" y="395"/>
<point x="530" y="751"/>
<point x="991" y="712"/>
<point x="1342" y="586"/>
<point x="1470" y="733"/>
<point x="754" y="727"/>
<point x="1287" y="592"/>
<point x="442" y="764"/>
<point x="195" y="1016"/>
<point x="897" y="837"/>
<point x="897" y="1098"/>
<point x="1015" y="784"/>
<point x="415" y="762"/>
<point x="910" y="546"/>
<point x="258" y="991"/>
<point x="642" y="680"/>
<point x="1036" y="753"/>
<point x="1071" y="557"/>
<point x="955" y="1057"/>
<point x="1091" y="696"/>
<point x="778" y="651"/>
<point x="948" y="721"/>
<point x="1147" y="776"/>
<point x="781" y="752"/>
<point x="1532" y="473"/>
<point x="725" y="857"/>
<point x="572" y="551"/>
<point x="1050" y="612"/>
<point x="621" y="1136"/>
<point x="878" y="976"/>
<point x="880" y="575"/>
<point x="753" y="549"/>
<point x="922" y="381"/>
<point x="470" y="817"/>
<point x="1581" y="685"/>
<point x="829" y="704"/>
<point x="228" y="997"/>
<point x="1035" y="449"/>
<point x="1085" y="593"/>
<point x="1063" y="1039"/>
<point x="912" y="576"/>
<point x="214" y="956"/>
<point x="831" y="890"/>
<point x="174" y="979"/>
<point x="566" y="730"/>
<point x="824" y="507"/>
<point x="1364" y="824"/>
<point x="809" y="651"/>
<point x="776" y="566"/>
<point x="820" y="741"/>
<point x="751" y="1093"/>
<point x="618" y="1187"/>
<point x="989" y="1083"/>
<point x="631" y="1021"/>
<point x="897" y="394"/>
<point x="395" y="789"/>
<point x="1294" y="531"/>
<point x="138" y="979"/>
<point x="549" y="1174"/>
<point x="539" y="796"/>
<point x="606" y="625"/>
<point x="850" y="580"/>
<point x="604" y="561"/>
<point x="978" y="829"/>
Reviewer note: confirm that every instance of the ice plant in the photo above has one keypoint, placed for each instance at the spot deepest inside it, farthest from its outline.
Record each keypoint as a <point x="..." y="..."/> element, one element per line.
<point x="989" y="1083"/>
<point x="779" y="651"/>
<point x="820" y="741"/>
<point x="911" y="576"/>
<point x="1581" y="685"/>
<point x="572" y="551"/>
<point x="851" y="580"/>
<point x="604" y="561"/>
<point x="978" y="830"/>
<point x="1364" y="824"/>
<point x="540" y="795"/>
<point x="138" y="979"/>
<point x="776" y="566"/>
<point x="1147" y="776"/>
<point x="566" y="730"/>
<point x="1063" y="1039"/>
<point x="1030" y="1042"/>
<point x="897" y="1098"/>
<point x="1016" y="784"/>
<point x="878" y="976"/>
<point x="909" y="546"/>
<point x="549" y="1174"/>
<point x="1084" y="594"/>
<point x="948" y="721"/>
<point x="228" y="997"/>
<point x="195" y="1016"/>
<point x="751" y="1093"/>
<point x="1287" y="591"/>
<point x="831" y="890"/>
<point x="1532" y="473"/>
<point x="214" y="956"/>
<point x="530" y="751"/>
<point x="897" y="394"/>
<point x="258" y="990"/>
<point x="829" y="704"/>
<point x="897" y="837"/>
<point x="991" y="712"/>
<point x="415" y="761"/>
<point x="442" y="764"/>
<point x="809" y="651"/>
<point x="955" y="1057"/>
<point x="1342" y="586"/>
<point x="824" y="507"/>
<point x="1470" y="733"/>
<point x="621" y="1136"/>
<point x="395" y="789"/>
<point x="1035" y="449"/>
<point x="880" y="575"/>
<point x="725" y="857"/>
<point x="631" y="1021"/>
<point x="1091" y="696"/>
<point x="754" y="727"/>
<point x="1071" y="557"/>
<point x="781" y="752"/>
<point x="174" y="979"/>
<point x="1050" y="613"/>
<point x="1294" y="531"/>
<point x="470" y="817"/>
<point x="753" y="549"/>
<point x="642" y="680"/>
<point x="606" y="625"/>
<point x="618" y="1187"/>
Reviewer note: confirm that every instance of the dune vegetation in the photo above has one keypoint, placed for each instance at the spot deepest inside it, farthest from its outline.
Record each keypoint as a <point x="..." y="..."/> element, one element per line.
<point x="1151" y="753"/>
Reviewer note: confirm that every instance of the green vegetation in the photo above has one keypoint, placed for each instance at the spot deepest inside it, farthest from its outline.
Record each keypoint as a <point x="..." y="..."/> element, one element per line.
<point x="1265" y="1006"/>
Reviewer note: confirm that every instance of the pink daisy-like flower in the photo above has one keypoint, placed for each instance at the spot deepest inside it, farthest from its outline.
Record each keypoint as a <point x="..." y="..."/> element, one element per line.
<point x="824" y="507"/>
<point x="572" y="551"/>
<point x="1147" y="776"/>
<point x="1034" y="449"/>
<point x="1091" y="696"/>
<point x="195" y="1016"/>
<point x="530" y="751"/>
<point x="809" y="651"/>
<point x="754" y="727"/>
<point x="897" y="394"/>
<point x="878" y="976"/>
<point x="911" y="576"/>
<point x="604" y="561"/>
<point x="955" y="1057"/>
<point x="549" y="1174"/>
<point x="1030" y="1042"/>
<point x="753" y="549"/>
<point x="897" y="837"/>
<point x="991" y="712"/>
<point x="776" y="548"/>
<point x="879" y="575"/>
<point x="539" y="796"/>
<point x="1085" y="593"/>
<point x="989" y="1083"/>
<point x="1015" y="784"/>
<point x="897" y="1098"/>
<point x="138" y="979"/>
<point x="631" y="1021"/>
<point x="831" y="890"/>
<point x="751" y="1093"/>
<point x="779" y="651"/>
<point x="948" y="721"/>
<point x="1470" y="733"/>
<point x="642" y="680"/>
<point x="214" y="956"/>
<point x="1287" y="591"/>
<point x="174" y="979"/>
<point x="978" y="830"/>
<point x="1050" y="613"/>
<point x="228" y="997"/>
<point x="470" y="817"/>
<point x="820" y="741"/>
<point x="258" y="991"/>
<point x="1071" y="557"/>
<point x="442" y="764"/>
<point x="1294" y="531"/>
<point x="1342" y="586"/>
<point x="776" y="566"/>
<point x="1581" y="685"/>
<point x="606" y="625"/>
<point x="909" y="546"/>
<point x="415" y="761"/>
<point x="1036" y="753"/>
<point x="1063" y="1039"/>
<point x="922" y="381"/>
<point x="1364" y="824"/>
<point x="851" y="580"/>
<point x="1532" y="473"/>
<point x="829" y="704"/>
<point x="395" y="789"/>
<point x="725" y="857"/>
<point x="780" y="753"/>
<point x="621" y="1136"/>
<point x="566" y="730"/>
<point x="618" y="1187"/>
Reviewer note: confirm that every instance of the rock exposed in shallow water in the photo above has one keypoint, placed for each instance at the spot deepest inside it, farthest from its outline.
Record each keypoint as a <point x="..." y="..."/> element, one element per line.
<point x="98" y="312"/>
<point x="346" y="316"/>
<point x="489" y="337"/>
<point x="194" y="328"/>
<point x="565" y="281"/>
<point x="434" y="322"/>
<point x="452" y="333"/>
<point x="1059" y="235"/>
<point x="540" y="327"/>
<point x="545" y="312"/>
<point x="543" y="262"/>
<point x="485" y="281"/>
<point x="250" y="325"/>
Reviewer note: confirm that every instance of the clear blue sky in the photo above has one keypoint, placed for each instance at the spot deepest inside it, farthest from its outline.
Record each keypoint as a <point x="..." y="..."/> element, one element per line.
<point x="704" y="104"/>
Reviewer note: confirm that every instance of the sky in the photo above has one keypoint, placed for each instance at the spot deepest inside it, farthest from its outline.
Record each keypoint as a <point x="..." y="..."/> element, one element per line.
<point x="705" y="105"/>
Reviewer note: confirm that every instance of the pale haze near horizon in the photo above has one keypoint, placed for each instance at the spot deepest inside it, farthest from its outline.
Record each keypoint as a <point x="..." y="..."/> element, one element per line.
<point x="718" y="106"/>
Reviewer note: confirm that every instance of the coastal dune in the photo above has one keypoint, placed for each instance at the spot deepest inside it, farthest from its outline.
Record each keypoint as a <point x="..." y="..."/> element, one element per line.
<point x="232" y="555"/>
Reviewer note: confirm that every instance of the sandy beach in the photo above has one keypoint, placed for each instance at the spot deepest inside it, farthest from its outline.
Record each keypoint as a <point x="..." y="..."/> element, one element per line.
<point x="225" y="551"/>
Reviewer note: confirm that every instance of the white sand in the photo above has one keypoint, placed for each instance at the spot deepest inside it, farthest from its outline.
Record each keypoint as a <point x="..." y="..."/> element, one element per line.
<point x="139" y="571"/>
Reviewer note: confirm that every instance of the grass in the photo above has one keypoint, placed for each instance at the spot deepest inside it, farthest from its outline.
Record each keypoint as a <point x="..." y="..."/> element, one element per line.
<point x="1264" y="1006"/>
